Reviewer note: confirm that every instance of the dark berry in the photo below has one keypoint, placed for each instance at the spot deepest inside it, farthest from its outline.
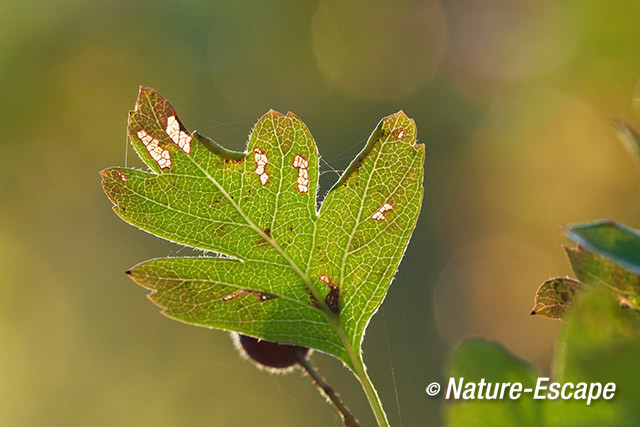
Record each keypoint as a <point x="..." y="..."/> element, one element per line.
<point x="270" y="355"/>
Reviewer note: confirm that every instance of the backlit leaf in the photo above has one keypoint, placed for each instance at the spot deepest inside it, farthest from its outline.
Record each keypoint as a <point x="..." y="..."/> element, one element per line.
<point x="287" y="273"/>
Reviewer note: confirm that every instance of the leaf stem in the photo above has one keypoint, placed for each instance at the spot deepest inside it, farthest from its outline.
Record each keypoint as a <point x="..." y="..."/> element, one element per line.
<point x="360" y="371"/>
<point x="372" y="395"/>
<point x="347" y="417"/>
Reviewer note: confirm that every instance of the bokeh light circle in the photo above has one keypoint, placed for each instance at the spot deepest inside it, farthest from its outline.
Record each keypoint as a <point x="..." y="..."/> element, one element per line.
<point x="378" y="50"/>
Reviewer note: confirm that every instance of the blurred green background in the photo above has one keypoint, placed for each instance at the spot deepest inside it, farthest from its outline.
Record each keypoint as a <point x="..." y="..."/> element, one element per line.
<point x="512" y="99"/>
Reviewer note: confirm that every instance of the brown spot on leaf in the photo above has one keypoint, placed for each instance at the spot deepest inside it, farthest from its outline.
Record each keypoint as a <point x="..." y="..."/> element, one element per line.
<point x="333" y="295"/>
<point x="261" y="242"/>
<point x="221" y="230"/>
<point x="228" y="161"/>
<point x="314" y="301"/>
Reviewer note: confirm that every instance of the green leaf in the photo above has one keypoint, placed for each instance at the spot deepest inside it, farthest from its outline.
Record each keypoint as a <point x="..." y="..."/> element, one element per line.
<point x="629" y="138"/>
<point x="599" y="342"/>
<point x="554" y="297"/>
<point x="616" y="242"/>
<point x="476" y="359"/>
<point x="286" y="272"/>
<point x="596" y="270"/>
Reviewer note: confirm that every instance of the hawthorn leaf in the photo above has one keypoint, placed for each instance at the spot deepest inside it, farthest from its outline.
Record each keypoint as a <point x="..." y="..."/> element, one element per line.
<point x="599" y="342"/>
<point x="596" y="270"/>
<point x="554" y="297"/>
<point x="477" y="359"/>
<point x="616" y="242"/>
<point x="284" y="272"/>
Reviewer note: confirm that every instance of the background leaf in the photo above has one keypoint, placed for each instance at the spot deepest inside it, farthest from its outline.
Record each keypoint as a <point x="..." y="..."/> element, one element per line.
<point x="598" y="342"/>
<point x="476" y="359"/>
<point x="555" y="296"/>
<point x="616" y="242"/>
<point x="597" y="270"/>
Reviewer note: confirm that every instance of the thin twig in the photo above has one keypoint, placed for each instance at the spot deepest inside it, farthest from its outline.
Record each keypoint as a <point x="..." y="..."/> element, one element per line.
<point x="347" y="417"/>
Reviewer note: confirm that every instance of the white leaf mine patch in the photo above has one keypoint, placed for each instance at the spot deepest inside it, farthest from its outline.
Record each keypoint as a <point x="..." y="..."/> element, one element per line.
<point x="179" y="137"/>
<point x="261" y="160"/>
<point x="122" y="176"/>
<point x="400" y="133"/>
<point x="260" y="296"/>
<point x="379" y="215"/>
<point x="234" y="295"/>
<point x="302" y="165"/>
<point x="160" y="155"/>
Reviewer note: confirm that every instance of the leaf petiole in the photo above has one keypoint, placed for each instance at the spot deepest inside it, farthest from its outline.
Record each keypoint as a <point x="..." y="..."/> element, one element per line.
<point x="360" y="371"/>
